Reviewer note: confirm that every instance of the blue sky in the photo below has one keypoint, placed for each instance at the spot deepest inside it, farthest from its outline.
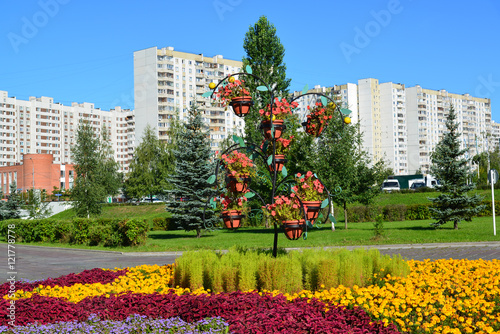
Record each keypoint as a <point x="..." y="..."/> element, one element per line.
<point x="82" y="51"/>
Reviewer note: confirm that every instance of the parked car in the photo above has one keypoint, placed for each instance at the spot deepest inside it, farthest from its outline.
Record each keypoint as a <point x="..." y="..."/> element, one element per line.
<point x="416" y="185"/>
<point x="390" y="185"/>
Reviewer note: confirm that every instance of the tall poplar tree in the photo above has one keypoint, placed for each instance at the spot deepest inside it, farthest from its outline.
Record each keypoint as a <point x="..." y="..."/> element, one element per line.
<point x="149" y="169"/>
<point x="193" y="166"/>
<point x="96" y="172"/>
<point x="450" y="167"/>
<point x="264" y="54"/>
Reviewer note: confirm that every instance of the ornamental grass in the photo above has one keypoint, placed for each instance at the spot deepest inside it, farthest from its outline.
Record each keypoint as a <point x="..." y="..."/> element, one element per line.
<point x="444" y="296"/>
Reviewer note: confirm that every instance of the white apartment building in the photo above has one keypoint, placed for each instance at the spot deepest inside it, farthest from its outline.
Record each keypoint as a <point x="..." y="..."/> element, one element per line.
<point x="428" y="110"/>
<point x="41" y="126"/>
<point x="403" y="125"/>
<point x="168" y="82"/>
<point x="346" y="96"/>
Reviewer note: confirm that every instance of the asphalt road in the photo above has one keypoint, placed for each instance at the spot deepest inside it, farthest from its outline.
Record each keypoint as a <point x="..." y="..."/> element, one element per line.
<point x="37" y="263"/>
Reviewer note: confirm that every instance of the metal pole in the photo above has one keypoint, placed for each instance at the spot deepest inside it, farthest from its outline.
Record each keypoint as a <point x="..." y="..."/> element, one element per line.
<point x="492" y="181"/>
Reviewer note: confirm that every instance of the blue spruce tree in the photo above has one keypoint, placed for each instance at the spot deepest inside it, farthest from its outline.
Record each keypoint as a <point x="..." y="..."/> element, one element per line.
<point x="449" y="166"/>
<point x="193" y="166"/>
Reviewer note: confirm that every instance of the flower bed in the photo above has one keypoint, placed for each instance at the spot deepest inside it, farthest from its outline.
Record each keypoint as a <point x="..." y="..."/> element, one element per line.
<point x="445" y="296"/>
<point x="133" y="324"/>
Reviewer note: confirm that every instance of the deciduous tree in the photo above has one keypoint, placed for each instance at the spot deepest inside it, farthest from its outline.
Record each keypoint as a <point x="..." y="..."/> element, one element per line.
<point x="96" y="172"/>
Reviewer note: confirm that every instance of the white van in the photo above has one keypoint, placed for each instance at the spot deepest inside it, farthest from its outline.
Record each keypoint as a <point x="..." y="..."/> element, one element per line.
<point x="390" y="185"/>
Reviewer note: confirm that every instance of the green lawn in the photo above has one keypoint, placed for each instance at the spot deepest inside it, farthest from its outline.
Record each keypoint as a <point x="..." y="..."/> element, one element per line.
<point x="406" y="232"/>
<point x="480" y="229"/>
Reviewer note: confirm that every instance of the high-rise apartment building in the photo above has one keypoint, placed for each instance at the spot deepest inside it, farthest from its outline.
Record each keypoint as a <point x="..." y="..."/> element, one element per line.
<point x="403" y="125"/>
<point x="167" y="83"/>
<point x="41" y="126"/>
<point x="428" y="110"/>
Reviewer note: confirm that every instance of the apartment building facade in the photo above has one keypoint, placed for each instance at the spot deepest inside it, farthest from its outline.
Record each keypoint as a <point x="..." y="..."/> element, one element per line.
<point x="168" y="82"/>
<point x="403" y="125"/>
<point x="41" y="126"/>
<point x="36" y="171"/>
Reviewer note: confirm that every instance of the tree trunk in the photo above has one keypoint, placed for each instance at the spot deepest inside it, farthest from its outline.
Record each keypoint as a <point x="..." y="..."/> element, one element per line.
<point x="198" y="233"/>
<point x="455" y="225"/>
<point x="345" y="215"/>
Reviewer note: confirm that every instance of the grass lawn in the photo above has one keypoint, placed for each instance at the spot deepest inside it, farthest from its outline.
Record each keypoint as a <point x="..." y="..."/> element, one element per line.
<point x="405" y="232"/>
<point x="143" y="211"/>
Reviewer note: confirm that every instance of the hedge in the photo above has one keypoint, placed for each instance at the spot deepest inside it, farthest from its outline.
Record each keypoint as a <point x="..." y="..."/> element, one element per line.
<point x="400" y="212"/>
<point x="79" y="231"/>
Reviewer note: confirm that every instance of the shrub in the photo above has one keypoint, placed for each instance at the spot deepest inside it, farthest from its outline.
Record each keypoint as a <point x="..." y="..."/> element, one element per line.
<point x="164" y="223"/>
<point x="309" y="269"/>
<point x="418" y="212"/>
<point x="378" y="227"/>
<point x="394" y="212"/>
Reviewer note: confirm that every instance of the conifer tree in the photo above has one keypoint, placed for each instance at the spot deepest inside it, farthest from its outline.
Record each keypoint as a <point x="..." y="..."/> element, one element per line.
<point x="449" y="166"/>
<point x="193" y="166"/>
<point x="13" y="205"/>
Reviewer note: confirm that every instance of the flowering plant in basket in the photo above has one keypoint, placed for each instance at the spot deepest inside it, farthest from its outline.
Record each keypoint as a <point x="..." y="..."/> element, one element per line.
<point x="280" y="111"/>
<point x="318" y="117"/>
<point x="230" y="201"/>
<point x="238" y="164"/>
<point x="308" y="187"/>
<point x="285" y="208"/>
<point x="234" y="88"/>
<point x="283" y="145"/>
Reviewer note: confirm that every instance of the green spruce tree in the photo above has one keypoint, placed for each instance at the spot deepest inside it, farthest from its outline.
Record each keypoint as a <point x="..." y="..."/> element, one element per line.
<point x="264" y="54"/>
<point x="450" y="167"/>
<point x="13" y="205"/>
<point x="193" y="166"/>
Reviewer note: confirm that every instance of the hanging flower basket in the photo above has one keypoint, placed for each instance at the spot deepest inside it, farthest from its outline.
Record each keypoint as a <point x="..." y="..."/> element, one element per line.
<point x="279" y="162"/>
<point x="312" y="209"/>
<point x="279" y="127"/>
<point x="293" y="228"/>
<point x="241" y="105"/>
<point x="232" y="218"/>
<point x="313" y="129"/>
<point x="238" y="183"/>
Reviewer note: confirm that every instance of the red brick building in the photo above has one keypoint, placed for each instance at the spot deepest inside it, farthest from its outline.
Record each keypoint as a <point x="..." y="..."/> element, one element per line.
<point x="37" y="171"/>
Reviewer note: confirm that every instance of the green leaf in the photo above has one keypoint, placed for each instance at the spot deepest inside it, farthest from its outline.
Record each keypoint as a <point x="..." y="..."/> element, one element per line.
<point x="304" y="236"/>
<point x="248" y="69"/>
<point x="211" y="179"/>
<point x="284" y="172"/>
<point x="270" y="160"/>
<point x="324" y="101"/>
<point x="324" y="204"/>
<point x="306" y="88"/>
<point x="345" y="111"/>
<point x="264" y="147"/>
<point x="262" y="88"/>
<point x="207" y="94"/>
<point x="236" y="139"/>
<point x="212" y="202"/>
<point x="241" y="142"/>
<point x="320" y="215"/>
<point x="332" y="219"/>
<point x="249" y="194"/>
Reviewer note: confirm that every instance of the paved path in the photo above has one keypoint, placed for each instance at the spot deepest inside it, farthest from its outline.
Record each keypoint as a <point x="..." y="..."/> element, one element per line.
<point x="36" y="263"/>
